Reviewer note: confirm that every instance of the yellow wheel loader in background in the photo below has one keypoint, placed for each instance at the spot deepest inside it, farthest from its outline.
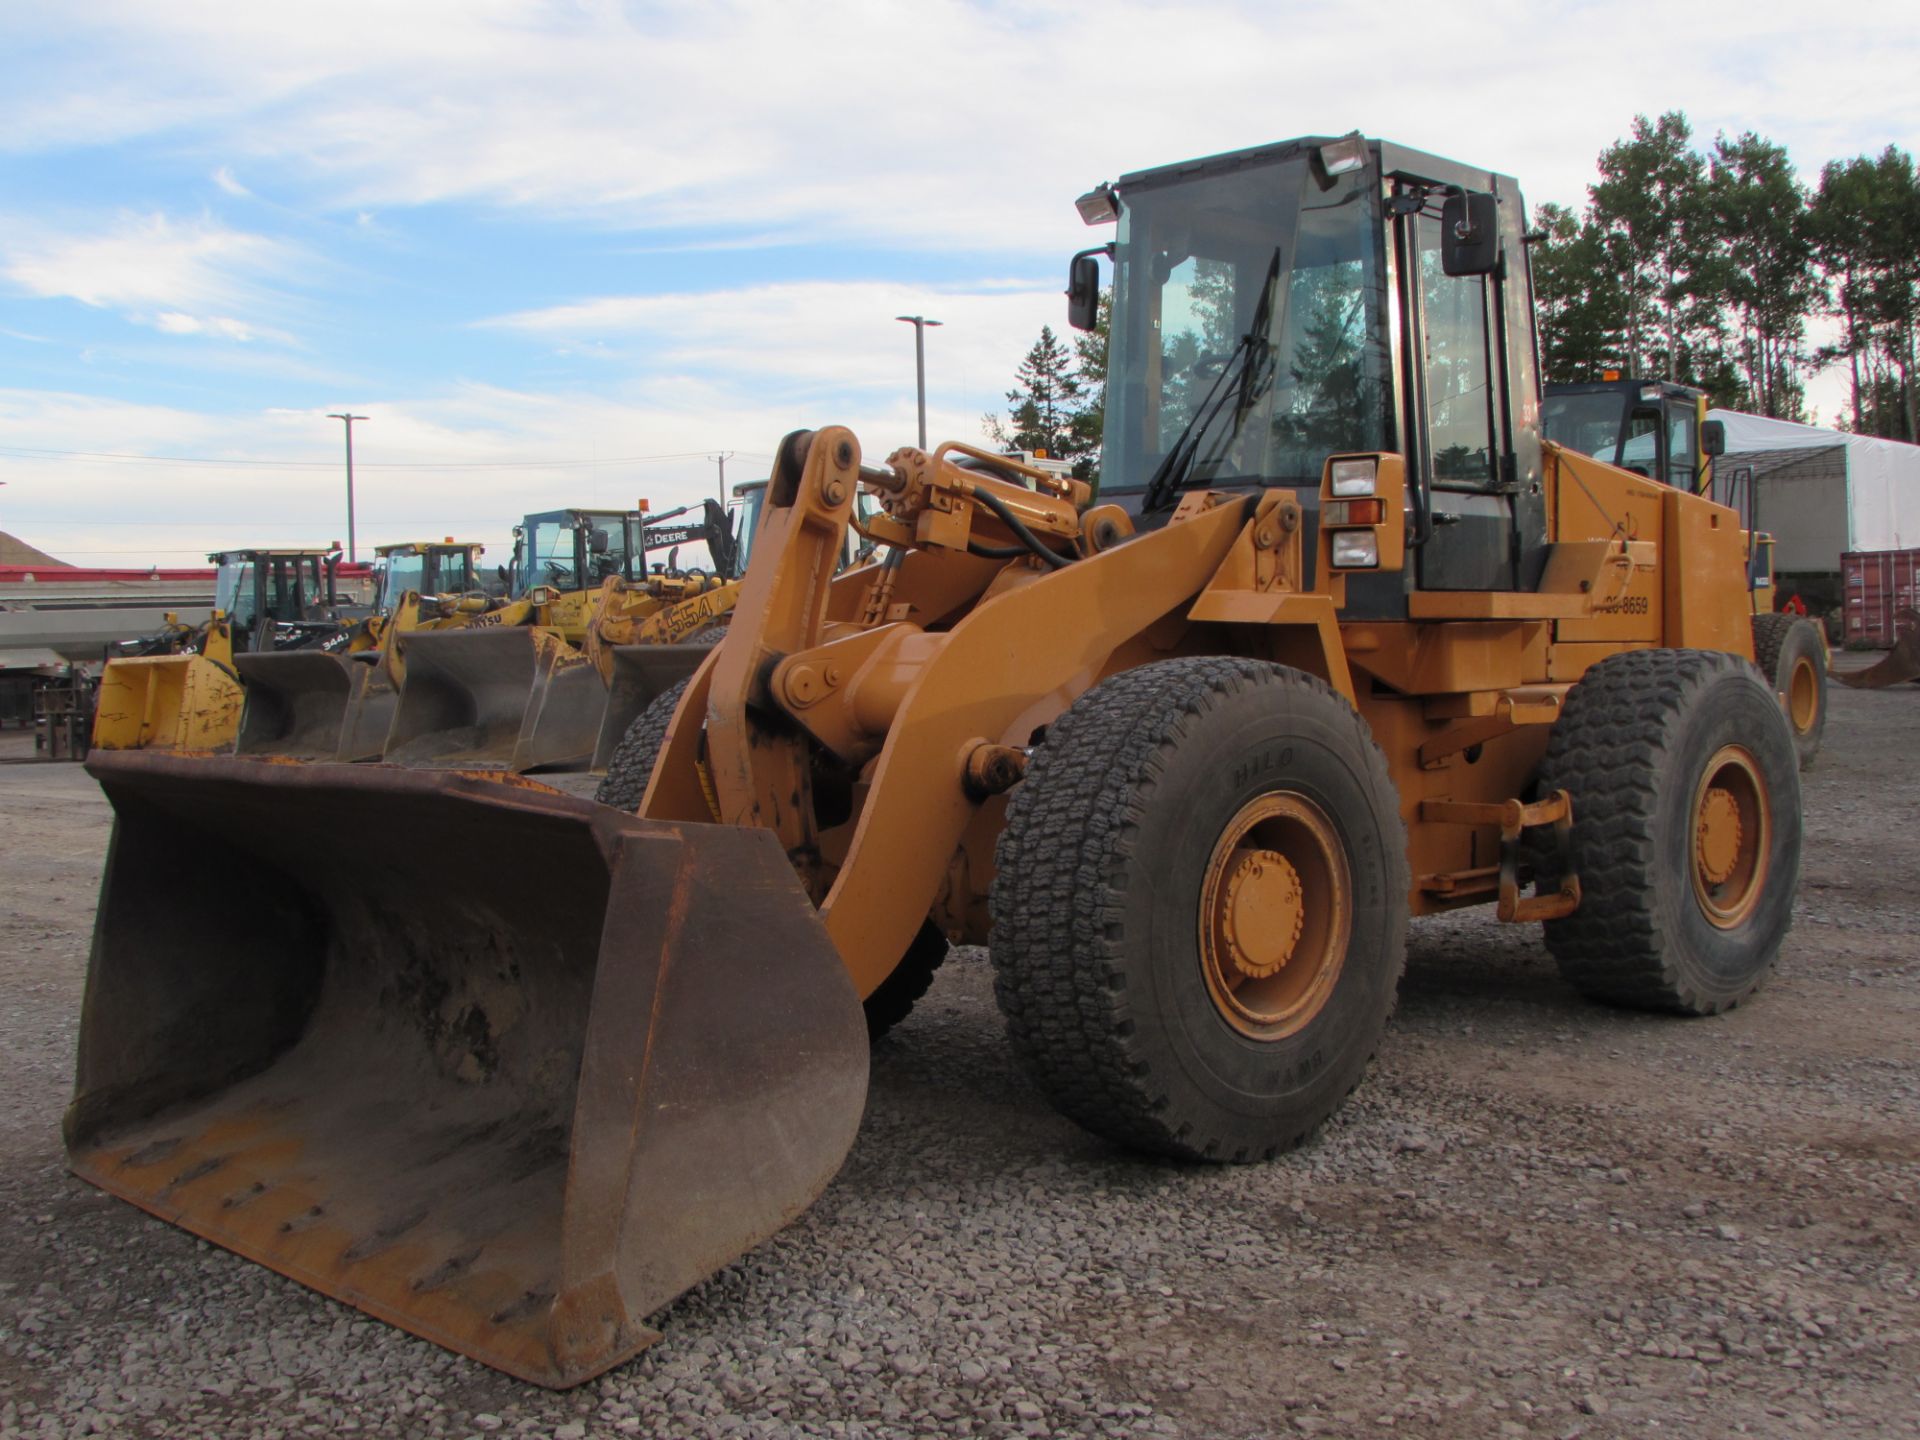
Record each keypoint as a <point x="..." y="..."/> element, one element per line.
<point x="1343" y="642"/>
<point x="337" y="703"/>
<point x="526" y="686"/>
<point x="1660" y="429"/>
<point x="190" y="698"/>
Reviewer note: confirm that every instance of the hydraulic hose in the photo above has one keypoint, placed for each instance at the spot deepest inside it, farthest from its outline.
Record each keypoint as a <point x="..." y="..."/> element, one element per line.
<point x="1026" y="537"/>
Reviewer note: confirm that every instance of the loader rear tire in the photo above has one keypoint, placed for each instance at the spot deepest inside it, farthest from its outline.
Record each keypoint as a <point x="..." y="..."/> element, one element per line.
<point x="1200" y="908"/>
<point x="1792" y="654"/>
<point x="1686" y="830"/>
<point x="625" y="783"/>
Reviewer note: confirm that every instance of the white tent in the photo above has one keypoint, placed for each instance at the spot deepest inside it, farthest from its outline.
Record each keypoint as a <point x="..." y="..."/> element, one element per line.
<point x="1825" y="492"/>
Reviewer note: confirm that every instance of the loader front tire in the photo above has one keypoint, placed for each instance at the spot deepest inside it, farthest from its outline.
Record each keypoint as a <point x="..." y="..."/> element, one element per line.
<point x="1200" y="908"/>
<point x="1686" y="830"/>
<point x="911" y="978"/>
<point x="1792" y="654"/>
<point x="624" y="785"/>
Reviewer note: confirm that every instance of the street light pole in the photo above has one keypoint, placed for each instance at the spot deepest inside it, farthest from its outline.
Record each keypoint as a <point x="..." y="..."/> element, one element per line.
<point x="352" y="554"/>
<point x="920" y="324"/>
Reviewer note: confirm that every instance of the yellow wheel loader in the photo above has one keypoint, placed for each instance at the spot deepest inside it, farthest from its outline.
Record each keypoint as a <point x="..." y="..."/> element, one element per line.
<point x="338" y="704"/>
<point x="1342" y="641"/>
<point x="1659" y="429"/>
<point x="526" y="687"/>
<point x="190" y="698"/>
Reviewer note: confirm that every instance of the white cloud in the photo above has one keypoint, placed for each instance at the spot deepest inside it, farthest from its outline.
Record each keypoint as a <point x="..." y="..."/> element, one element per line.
<point x="810" y="339"/>
<point x="229" y="182"/>
<point x="177" y="275"/>
<point x="959" y="125"/>
<point x="465" y="460"/>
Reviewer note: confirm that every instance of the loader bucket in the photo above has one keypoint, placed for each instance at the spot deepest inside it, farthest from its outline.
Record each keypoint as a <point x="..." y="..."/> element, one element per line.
<point x="1898" y="664"/>
<point x="641" y="674"/>
<point x="308" y="705"/>
<point x="506" y="697"/>
<point x="167" y="702"/>
<point x="497" y="1065"/>
<point x="296" y="703"/>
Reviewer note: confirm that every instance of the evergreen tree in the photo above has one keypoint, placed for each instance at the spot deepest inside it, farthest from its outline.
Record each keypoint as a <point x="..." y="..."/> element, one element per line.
<point x="1044" y="401"/>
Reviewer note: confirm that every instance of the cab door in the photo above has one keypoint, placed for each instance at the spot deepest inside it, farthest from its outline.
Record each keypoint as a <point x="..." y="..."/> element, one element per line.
<point x="1456" y="388"/>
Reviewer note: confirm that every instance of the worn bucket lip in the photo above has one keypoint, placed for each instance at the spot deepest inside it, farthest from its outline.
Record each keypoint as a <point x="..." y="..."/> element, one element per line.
<point x="331" y="1288"/>
<point x="488" y="785"/>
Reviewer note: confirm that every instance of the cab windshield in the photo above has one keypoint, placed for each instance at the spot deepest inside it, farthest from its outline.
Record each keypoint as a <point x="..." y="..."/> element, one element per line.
<point x="401" y="571"/>
<point x="233" y="591"/>
<point x="1255" y="301"/>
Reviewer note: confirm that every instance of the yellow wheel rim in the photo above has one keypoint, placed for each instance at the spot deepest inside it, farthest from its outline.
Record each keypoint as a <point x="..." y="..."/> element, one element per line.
<point x="1803" y="696"/>
<point x="1276" y="916"/>
<point x="1731" y="830"/>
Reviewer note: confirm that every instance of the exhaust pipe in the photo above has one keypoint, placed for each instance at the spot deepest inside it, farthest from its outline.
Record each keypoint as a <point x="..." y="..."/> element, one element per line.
<point x="515" y="1119"/>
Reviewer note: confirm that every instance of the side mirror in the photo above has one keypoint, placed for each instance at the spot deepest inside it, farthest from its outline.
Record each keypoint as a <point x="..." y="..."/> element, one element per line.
<point x="597" y="541"/>
<point x="1083" y="291"/>
<point x="1713" y="438"/>
<point x="1469" y="234"/>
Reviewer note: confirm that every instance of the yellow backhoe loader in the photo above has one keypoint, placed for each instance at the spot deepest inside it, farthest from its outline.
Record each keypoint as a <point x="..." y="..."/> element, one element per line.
<point x="1343" y="641"/>
<point x="1660" y="429"/>
<point x="190" y="697"/>
<point x="338" y="703"/>
<point x="525" y="687"/>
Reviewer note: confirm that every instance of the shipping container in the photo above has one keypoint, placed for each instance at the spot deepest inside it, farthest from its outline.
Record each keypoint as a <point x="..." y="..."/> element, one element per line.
<point x="1879" y="584"/>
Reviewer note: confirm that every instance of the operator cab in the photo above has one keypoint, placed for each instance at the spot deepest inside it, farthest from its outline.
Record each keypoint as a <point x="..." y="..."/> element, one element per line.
<point x="1276" y="307"/>
<point x="276" y="599"/>
<point x="424" y="568"/>
<point x="577" y="549"/>
<point x="1654" y="428"/>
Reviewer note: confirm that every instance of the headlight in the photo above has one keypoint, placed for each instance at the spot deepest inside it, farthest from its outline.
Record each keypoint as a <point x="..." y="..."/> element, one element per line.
<point x="1356" y="550"/>
<point x="1355" y="477"/>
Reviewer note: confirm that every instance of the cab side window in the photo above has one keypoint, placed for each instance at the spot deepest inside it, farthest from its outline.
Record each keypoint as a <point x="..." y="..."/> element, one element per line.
<point x="1456" y="357"/>
<point x="1683" y="461"/>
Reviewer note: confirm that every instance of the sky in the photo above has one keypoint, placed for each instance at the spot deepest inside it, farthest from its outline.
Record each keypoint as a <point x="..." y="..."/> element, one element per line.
<point x="564" y="253"/>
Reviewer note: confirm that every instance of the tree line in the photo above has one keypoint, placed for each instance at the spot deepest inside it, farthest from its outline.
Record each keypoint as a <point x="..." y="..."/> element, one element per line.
<point x="1705" y="267"/>
<point x="1710" y="267"/>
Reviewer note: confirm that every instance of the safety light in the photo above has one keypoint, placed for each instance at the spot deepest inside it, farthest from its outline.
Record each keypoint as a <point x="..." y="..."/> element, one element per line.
<point x="1353" y="512"/>
<point x="1356" y="550"/>
<point x="1355" y="477"/>
<point x="1099" y="206"/>
<point x="1345" y="155"/>
<point x="1609" y="376"/>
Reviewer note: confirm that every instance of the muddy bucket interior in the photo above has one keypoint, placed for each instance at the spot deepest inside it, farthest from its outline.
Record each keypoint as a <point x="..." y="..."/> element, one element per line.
<point x="468" y="694"/>
<point x="296" y="703"/>
<point x="500" y="1066"/>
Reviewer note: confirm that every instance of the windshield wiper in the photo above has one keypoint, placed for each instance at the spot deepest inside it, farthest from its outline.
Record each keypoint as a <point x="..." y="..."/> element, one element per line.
<point x="1238" y="378"/>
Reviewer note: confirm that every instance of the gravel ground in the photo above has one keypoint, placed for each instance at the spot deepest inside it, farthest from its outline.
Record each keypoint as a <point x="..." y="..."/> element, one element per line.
<point x="1537" y="1217"/>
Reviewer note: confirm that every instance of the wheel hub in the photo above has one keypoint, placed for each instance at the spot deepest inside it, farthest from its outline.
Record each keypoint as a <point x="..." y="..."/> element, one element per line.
<point x="1803" y="696"/>
<point x="1717" y="836"/>
<point x="1732" y="834"/>
<point x="1264" y="913"/>
<point x="1276" y="914"/>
